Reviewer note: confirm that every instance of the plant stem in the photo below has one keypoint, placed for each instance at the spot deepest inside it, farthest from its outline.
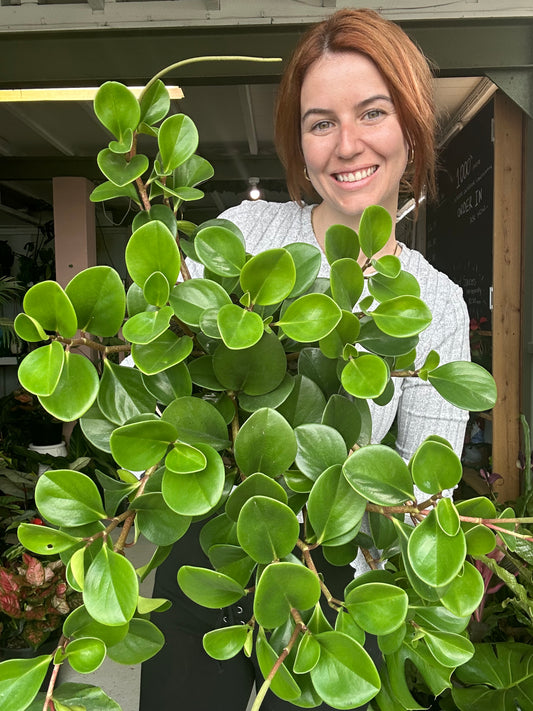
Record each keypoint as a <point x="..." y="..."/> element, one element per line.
<point x="306" y="551"/>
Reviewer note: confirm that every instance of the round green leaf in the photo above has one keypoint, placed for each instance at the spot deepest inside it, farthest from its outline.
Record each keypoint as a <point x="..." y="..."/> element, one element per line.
<point x="402" y="316"/>
<point x="172" y="382"/>
<point x="142" y="642"/>
<point x="85" y="655"/>
<point x="341" y="242"/>
<point x="178" y="140"/>
<point x="152" y="248"/>
<point x="365" y="376"/>
<point x="463" y="596"/>
<point x="157" y="522"/>
<point x="281" y="587"/>
<point x="374" y="229"/>
<point x="346" y="331"/>
<point x="269" y="277"/>
<point x="66" y="495"/>
<point x="111" y="588"/>
<point x="389" y="266"/>
<point x="97" y="295"/>
<point x="43" y="540"/>
<point x="196" y="493"/>
<point x="310" y="318"/>
<point x="185" y="459"/>
<point x="450" y="650"/>
<point x="220" y="250"/>
<point x="238" y="327"/>
<point x="122" y="394"/>
<point x="161" y="354"/>
<point x="374" y="340"/>
<point x="47" y="303"/>
<point x="379" y="475"/>
<point x="209" y="588"/>
<point x="80" y="624"/>
<point x="225" y="643"/>
<point x="305" y="403"/>
<point x="465" y="385"/>
<point x="140" y="445"/>
<point x="29" y="329"/>
<point x="344" y="416"/>
<point x="20" y="681"/>
<point x="40" y="370"/>
<point x="347" y="282"/>
<point x="307" y="260"/>
<point x="265" y="443"/>
<point x="193" y="171"/>
<point x="435" y="466"/>
<point x="120" y="171"/>
<point x="117" y="108"/>
<point x="76" y="389"/>
<point x="108" y="191"/>
<point x="480" y="540"/>
<point x="191" y="298"/>
<point x="345" y="676"/>
<point x="255" y="485"/>
<point x="447" y="517"/>
<point x="267" y="529"/>
<point x="384" y="288"/>
<point x="145" y="327"/>
<point x="273" y="399"/>
<point x="436" y="557"/>
<point x="155" y="103"/>
<point x="319" y="447"/>
<point x="156" y="289"/>
<point x="307" y="655"/>
<point x="197" y="421"/>
<point x="378" y="608"/>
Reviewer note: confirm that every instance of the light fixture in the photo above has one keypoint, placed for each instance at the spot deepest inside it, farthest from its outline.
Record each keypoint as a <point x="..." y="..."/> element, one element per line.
<point x="254" y="193"/>
<point x="69" y="94"/>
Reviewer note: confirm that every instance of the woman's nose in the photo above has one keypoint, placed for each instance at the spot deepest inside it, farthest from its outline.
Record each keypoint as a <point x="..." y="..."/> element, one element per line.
<point x="350" y="141"/>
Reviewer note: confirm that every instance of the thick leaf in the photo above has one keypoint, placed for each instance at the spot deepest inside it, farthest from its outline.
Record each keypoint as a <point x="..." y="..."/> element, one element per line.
<point x="346" y="331"/>
<point x="307" y="260"/>
<point x="20" y="680"/>
<point x="310" y="318"/>
<point x="120" y="171"/>
<point x="197" y="421"/>
<point x="142" y="642"/>
<point x="315" y="365"/>
<point x="435" y="556"/>
<point x="380" y="475"/>
<point x="269" y="277"/>
<point x="238" y="327"/>
<point x="29" y="329"/>
<point x="265" y="443"/>
<point x="97" y="428"/>
<point x="345" y="416"/>
<point x="220" y="250"/>
<point x="374" y="229"/>
<point x="145" y="327"/>
<point x="156" y="289"/>
<point x="378" y="608"/>
<point x="283" y="683"/>
<point x="43" y="540"/>
<point x="185" y="459"/>
<point x="435" y="466"/>
<point x="108" y="191"/>
<point x="65" y="495"/>
<point x="48" y="304"/>
<point x="85" y="655"/>
<point x="80" y="624"/>
<point x="193" y="171"/>
<point x="319" y="447"/>
<point x="281" y="587"/>
<point x="232" y="561"/>
<point x="152" y="248"/>
<point x="333" y="506"/>
<point x="155" y="103"/>
<point x="40" y="370"/>
<point x="191" y="298"/>
<point x="80" y="696"/>
<point x="463" y="596"/>
<point x="167" y="384"/>
<point x="344" y="675"/>
<point x="402" y="316"/>
<point x="305" y="403"/>
<point x="97" y="295"/>
<point x="117" y="108"/>
<point x="384" y="288"/>
<point x="365" y="377"/>
<point x="255" y="485"/>
<point x="341" y="242"/>
<point x="267" y="529"/>
<point x="122" y="394"/>
<point x="450" y="650"/>
<point x="447" y="516"/>
<point x="111" y="588"/>
<point x="307" y="655"/>
<point x="347" y="282"/>
<point x="374" y="340"/>
<point x="76" y="389"/>
<point x="163" y="352"/>
<point x="209" y="588"/>
<point x="140" y="445"/>
<point x="178" y="140"/>
<point x="465" y="385"/>
<point x="225" y="643"/>
<point x="196" y="493"/>
<point x="157" y="521"/>
<point x="273" y="399"/>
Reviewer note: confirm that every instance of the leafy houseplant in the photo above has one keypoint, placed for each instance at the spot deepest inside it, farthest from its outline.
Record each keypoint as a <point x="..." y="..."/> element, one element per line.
<point x="247" y="406"/>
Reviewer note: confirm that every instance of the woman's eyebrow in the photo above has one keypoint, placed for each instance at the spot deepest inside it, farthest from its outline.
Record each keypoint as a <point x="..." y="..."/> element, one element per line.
<point x="361" y="105"/>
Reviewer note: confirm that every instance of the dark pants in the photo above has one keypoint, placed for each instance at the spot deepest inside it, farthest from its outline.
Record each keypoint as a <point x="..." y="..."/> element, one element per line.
<point x="182" y="675"/>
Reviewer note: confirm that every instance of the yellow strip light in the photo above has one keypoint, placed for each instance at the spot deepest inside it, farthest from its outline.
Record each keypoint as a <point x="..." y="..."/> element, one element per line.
<point x="69" y="94"/>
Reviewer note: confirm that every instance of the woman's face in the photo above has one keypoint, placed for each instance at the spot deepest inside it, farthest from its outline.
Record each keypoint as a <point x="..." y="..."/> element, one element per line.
<point x="352" y="141"/>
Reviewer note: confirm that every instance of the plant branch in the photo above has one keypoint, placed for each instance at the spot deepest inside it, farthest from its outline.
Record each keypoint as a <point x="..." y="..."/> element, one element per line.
<point x="306" y="552"/>
<point x="106" y="350"/>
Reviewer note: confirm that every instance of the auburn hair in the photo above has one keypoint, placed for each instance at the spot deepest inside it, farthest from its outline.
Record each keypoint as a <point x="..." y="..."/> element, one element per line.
<point x="405" y="70"/>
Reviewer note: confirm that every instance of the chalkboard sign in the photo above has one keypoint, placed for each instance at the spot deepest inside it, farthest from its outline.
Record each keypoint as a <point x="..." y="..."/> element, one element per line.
<point x="460" y="223"/>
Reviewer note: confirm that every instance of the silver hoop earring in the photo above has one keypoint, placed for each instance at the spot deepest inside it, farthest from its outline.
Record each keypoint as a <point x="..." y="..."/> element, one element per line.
<point x="306" y="174"/>
<point x="410" y="155"/>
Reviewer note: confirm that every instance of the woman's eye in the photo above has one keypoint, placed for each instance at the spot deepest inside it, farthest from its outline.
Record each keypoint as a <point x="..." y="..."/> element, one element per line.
<point x="322" y="126"/>
<point x="374" y="114"/>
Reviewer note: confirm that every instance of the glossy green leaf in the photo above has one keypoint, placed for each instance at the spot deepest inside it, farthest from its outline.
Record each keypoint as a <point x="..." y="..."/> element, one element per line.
<point x="256" y="370"/>
<point x="283" y="683"/>
<point x="196" y="493"/>
<point x="265" y="443"/>
<point x="66" y="495"/>
<point x="463" y="596"/>
<point x="140" y="445"/>
<point x="20" y="680"/>
<point x="281" y="587"/>
<point x="255" y="485"/>
<point x="156" y="289"/>
<point x="43" y="540"/>
<point x="122" y="394"/>
<point x="41" y="369"/>
<point x="152" y="248"/>
<point x="178" y="140"/>
<point x="310" y="318"/>
<point x="117" y="109"/>
<point x="384" y="288"/>
<point x="389" y="266"/>
<point x="333" y="506"/>
<point x="108" y="191"/>
<point x="380" y="475"/>
<point x="80" y="624"/>
<point x="374" y="340"/>
<point x="168" y="384"/>
<point x="238" y="327"/>
<point x="191" y="298"/>
<point x="343" y="415"/>
<point x="221" y="250"/>
<point x="118" y="169"/>
<point x="435" y="556"/>
<point x="435" y="466"/>
<point x="232" y="561"/>
<point x="97" y="295"/>
<point x="346" y="624"/>
<point x="197" y="421"/>
<point x="29" y="329"/>
<point x="346" y="331"/>
<point x="193" y="171"/>
<point x="269" y="277"/>
<point x="209" y="588"/>
<point x="225" y="643"/>
<point x="142" y="642"/>
<point x="304" y="404"/>
<point x="402" y="316"/>
<point x="465" y="385"/>
<point x="319" y="447"/>
<point x="161" y="354"/>
<point x="76" y="389"/>
<point x="111" y="588"/>
<point x="422" y="589"/>
<point x="307" y="655"/>
<point x="390" y="643"/>
<point x="85" y="655"/>
<point x="346" y="283"/>
<point x="365" y="376"/>
<point x="378" y="608"/>
<point x="48" y="304"/>
<point x="145" y="327"/>
<point x="447" y="517"/>
<point x="449" y="649"/>
<point x="307" y="260"/>
<point x="345" y="676"/>
<point x="183" y="458"/>
<point x="480" y="540"/>
<point x="341" y="242"/>
<point x="78" y="697"/>
<point x="155" y="103"/>
<point x="273" y="399"/>
<point x="374" y="229"/>
<point x="267" y="529"/>
<point x="157" y="521"/>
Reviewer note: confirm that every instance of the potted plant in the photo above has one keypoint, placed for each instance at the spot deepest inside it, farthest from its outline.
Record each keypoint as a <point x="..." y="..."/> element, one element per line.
<point x="229" y="359"/>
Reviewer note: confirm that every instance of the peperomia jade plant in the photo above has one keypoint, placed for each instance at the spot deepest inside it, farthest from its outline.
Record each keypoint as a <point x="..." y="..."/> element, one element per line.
<point x="247" y="408"/>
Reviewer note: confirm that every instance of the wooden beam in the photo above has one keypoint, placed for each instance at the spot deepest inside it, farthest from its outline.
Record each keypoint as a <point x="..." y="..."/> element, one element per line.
<point x="508" y="286"/>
